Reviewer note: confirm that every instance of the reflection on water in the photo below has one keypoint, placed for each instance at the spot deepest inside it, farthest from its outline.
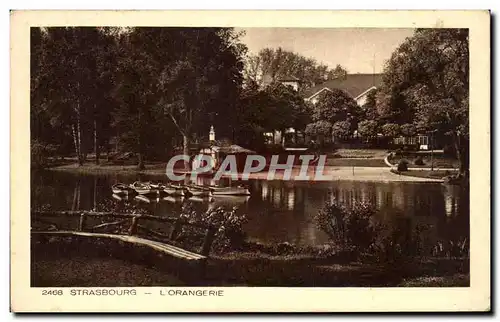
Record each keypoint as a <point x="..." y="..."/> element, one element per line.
<point x="279" y="211"/>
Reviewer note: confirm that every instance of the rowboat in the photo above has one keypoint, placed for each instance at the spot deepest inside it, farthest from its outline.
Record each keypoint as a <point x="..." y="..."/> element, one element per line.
<point x="120" y="197"/>
<point x="145" y="199"/>
<point x="229" y="191"/>
<point x="174" y="190"/>
<point x="142" y="188"/>
<point x="199" y="191"/>
<point x="157" y="185"/>
<point x="120" y="188"/>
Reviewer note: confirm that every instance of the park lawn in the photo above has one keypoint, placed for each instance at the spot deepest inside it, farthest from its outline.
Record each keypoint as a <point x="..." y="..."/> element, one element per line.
<point x="92" y="168"/>
<point x="348" y="162"/>
<point x="356" y="158"/>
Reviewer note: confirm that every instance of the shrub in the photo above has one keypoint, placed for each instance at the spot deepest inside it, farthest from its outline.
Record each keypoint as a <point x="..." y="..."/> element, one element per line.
<point x="40" y="153"/>
<point x="229" y="224"/>
<point x="419" y="161"/>
<point x="403" y="165"/>
<point x="350" y="228"/>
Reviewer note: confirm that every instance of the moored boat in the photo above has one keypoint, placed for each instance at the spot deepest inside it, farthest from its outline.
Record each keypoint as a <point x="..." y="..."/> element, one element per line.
<point x="157" y="185"/>
<point x="143" y="198"/>
<point x="120" y="188"/>
<point x="142" y="188"/>
<point x="199" y="191"/>
<point x="174" y="190"/>
<point x="229" y="191"/>
<point x="120" y="197"/>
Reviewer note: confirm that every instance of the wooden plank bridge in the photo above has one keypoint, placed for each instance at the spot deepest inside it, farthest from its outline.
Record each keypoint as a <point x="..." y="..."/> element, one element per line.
<point x="124" y="227"/>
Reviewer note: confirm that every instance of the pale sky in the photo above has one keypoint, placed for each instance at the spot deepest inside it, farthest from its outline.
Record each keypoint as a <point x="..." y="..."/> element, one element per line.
<point x="353" y="48"/>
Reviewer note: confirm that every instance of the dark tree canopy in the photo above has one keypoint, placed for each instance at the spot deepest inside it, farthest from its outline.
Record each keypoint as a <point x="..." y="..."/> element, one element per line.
<point x="146" y="87"/>
<point x="336" y="105"/>
<point x="279" y="63"/>
<point x="426" y="82"/>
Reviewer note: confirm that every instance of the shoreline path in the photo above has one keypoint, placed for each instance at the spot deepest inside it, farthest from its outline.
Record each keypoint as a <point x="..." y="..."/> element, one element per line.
<point x="372" y="174"/>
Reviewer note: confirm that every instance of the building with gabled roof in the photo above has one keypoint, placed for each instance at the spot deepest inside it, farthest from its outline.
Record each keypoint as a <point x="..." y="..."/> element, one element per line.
<point x="358" y="86"/>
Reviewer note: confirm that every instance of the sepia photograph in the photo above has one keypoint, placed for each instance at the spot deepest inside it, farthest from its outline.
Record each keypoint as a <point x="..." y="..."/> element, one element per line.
<point x="186" y="157"/>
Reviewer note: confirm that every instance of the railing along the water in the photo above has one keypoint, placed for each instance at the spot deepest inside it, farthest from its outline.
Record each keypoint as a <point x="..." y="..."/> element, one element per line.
<point x="126" y="224"/>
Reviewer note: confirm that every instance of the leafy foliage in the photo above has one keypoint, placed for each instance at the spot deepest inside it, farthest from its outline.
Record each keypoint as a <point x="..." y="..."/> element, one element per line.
<point x="40" y="153"/>
<point x="391" y="130"/>
<point x="341" y="129"/>
<point x="403" y="165"/>
<point x="90" y="84"/>
<point x="351" y="227"/>
<point x="275" y="107"/>
<point x="319" y="128"/>
<point x="272" y="65"/>
<point x="334" y="106"/>
<point x="419" y="161"/>
<point x="70" y="88"/>
<point x="427" y="80"/>
<point x="408" y="129"/>
<point x="370" y="111"/>
<point x="230" y="234"/>
<point x="368" y="128"/>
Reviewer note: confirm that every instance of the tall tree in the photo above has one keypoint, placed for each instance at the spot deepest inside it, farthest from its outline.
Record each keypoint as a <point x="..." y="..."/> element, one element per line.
<point x="430" y="71"/>
<point x="70" y="83"/>
<point x="199" y="82"/>
<point x="369" y="108"/>
<point x="335" y="106"/>
<point x="136" y="93"/>
<point x="275" y="64"/>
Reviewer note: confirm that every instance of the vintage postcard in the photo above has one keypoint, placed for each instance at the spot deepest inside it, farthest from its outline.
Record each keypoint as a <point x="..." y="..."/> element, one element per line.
<point x="250" y="161"/>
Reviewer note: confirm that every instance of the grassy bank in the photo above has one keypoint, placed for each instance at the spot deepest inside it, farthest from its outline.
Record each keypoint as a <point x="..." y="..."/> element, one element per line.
<point x="340" y="158"/>
<point x="439" y="161"/>
<point x="92" y="168"/>
<point x="356" y="158"/>
<point x="63" y="263"/>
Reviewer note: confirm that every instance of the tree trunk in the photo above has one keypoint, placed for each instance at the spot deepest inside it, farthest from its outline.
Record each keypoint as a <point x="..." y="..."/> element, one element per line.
<point x="185" y="150"/>
<point x="140" y="143"/>
<point x="141" y="161"/>
<point x="79" y="138"/>
<point x="462" y="151"/>
<point x="75" y="141"/>
<point x="95" y="194"/>
<point x="96" y="144"/>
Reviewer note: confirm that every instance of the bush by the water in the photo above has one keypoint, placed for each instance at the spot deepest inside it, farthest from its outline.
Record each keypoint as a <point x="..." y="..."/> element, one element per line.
<point x="403" y="165"/>
<point x="229" y="223"/>
<point x="356" y="228"/>
<point x="40" y="153"/>
<point x="351" y="228"/>
<point x="419" y="161"/>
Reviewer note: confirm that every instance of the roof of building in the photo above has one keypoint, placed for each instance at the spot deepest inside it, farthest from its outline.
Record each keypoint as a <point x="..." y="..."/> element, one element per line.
<point x="353" y="84"/>
<point x="232" y="149"/>
<point x="225" y="147"/>
<point x="288" y="78"/>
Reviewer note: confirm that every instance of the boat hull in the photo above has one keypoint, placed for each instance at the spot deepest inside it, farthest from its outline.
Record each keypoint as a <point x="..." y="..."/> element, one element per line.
<point x="197" y="192"/>
<point x="145" y="191"/>
<point x="143" y="188"/>
<point x="230" y="191"/>
<point x="121" y="189"/>
<point x="174" y="191"/>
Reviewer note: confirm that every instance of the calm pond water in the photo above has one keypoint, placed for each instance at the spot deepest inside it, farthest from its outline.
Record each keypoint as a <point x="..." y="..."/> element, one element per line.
<point x="278" y="211"/>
